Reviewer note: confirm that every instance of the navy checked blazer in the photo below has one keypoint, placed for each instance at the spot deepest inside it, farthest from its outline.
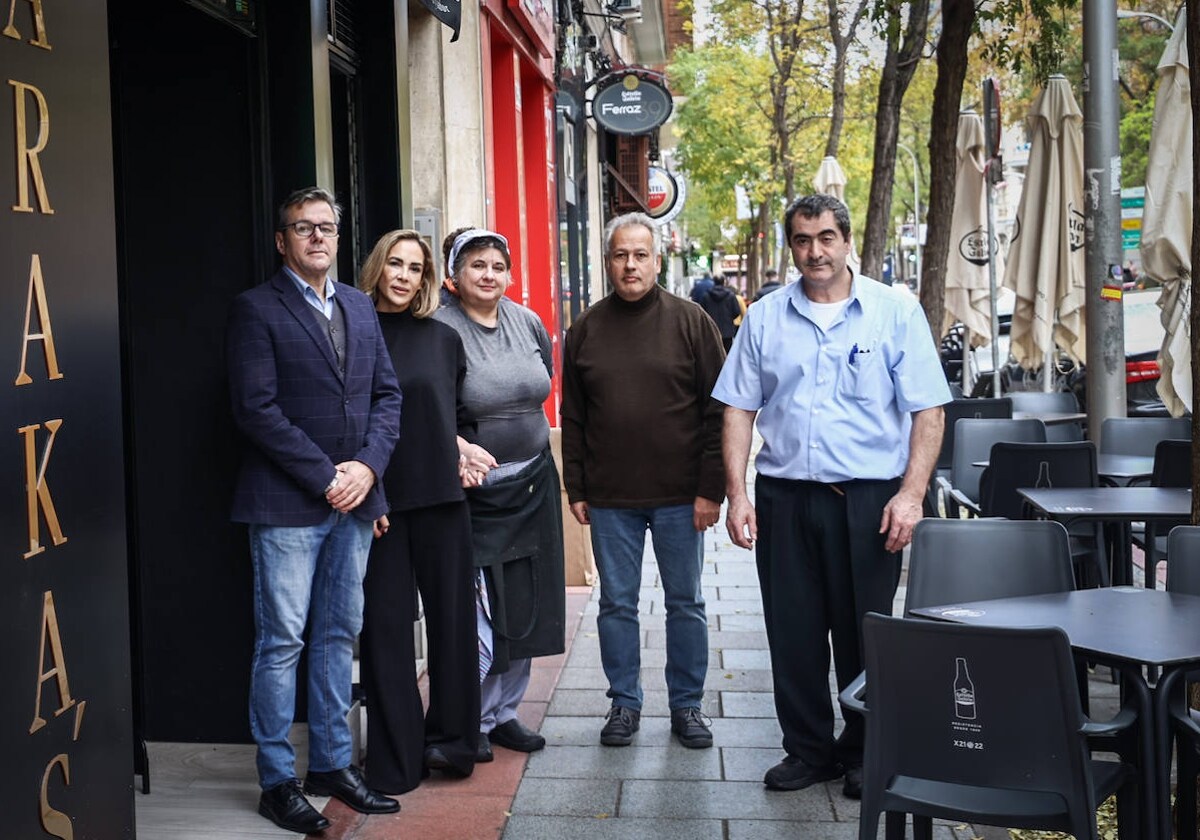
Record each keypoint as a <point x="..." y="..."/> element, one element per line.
<point x="299" y="414"/>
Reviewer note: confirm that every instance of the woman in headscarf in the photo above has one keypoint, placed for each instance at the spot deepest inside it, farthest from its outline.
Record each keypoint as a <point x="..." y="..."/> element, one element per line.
<point x="516" y="513"/>
<point x="424" y="542"/>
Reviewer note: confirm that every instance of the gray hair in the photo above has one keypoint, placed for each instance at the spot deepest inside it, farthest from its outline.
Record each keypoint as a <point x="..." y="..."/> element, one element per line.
<point x="627" y="220"/>
<point x="304" y="196"/>
<point x="813" y="206"/>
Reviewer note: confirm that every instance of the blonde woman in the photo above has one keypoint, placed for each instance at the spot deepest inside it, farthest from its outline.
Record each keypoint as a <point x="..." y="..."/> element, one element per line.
<point x="424" y="541"/>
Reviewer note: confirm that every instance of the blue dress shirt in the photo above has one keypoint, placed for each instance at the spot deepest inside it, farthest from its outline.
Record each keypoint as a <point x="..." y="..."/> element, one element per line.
<point x="834" y="405"/>
<point x="325" y="307"/>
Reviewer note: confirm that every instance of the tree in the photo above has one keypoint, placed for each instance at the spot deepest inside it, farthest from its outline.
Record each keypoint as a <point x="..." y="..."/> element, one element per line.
<point x="903" y="52"/>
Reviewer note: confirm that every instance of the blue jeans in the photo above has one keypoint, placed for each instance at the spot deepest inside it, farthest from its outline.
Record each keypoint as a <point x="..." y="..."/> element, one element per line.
<point x="618" y="540"/>
<point x="305" y="574"/>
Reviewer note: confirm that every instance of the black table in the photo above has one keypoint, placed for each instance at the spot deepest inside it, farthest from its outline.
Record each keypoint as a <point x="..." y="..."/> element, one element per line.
<point x="1116" y="505"/>
<point x="1114" y="469"/>
<point x="1051" y="418"/>
<point x="1120" y="626"/>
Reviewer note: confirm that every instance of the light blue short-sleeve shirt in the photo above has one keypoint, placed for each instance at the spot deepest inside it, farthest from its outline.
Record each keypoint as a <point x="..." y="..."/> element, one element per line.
<point x="835" y="404"/>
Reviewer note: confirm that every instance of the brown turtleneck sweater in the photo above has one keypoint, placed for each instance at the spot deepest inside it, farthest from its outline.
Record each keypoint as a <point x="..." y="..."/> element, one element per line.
<point x="640" y="428"/>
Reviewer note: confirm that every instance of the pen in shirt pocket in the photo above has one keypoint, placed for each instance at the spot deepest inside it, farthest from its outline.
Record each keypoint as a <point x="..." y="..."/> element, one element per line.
<point x="855" y="351"/>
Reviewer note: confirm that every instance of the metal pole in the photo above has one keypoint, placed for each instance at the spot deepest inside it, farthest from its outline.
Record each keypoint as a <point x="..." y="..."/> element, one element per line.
<point x="1102" y="216"/>
<point x="991" y="233"/>
<point x="916" y="211"/>
<point x="1123" y="14"/>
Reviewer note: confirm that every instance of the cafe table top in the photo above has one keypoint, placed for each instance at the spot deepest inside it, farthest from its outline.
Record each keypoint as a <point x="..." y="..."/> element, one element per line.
<point x="1110" y="503"/>
<point x="1124" y="623"/>
<point x="1051" y="418"/>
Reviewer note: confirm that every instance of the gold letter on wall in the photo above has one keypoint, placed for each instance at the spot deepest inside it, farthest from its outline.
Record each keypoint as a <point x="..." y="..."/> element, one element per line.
<point x="39" y="23"/>
<point x="36" y="490"/>
<point x="59" y="671"/>
<point x="27" y="156"/>
<point x="56" y="823"/>
<point x="37" y="290"/>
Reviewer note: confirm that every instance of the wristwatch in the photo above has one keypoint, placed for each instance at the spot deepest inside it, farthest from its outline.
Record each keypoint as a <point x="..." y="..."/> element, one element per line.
<point x="333" y="483"/>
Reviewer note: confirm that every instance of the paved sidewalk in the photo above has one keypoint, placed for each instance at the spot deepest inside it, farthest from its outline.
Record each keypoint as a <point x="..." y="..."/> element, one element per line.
<point x="657" y="789"/>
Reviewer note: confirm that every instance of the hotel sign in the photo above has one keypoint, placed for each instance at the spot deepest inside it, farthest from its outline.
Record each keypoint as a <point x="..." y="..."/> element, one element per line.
<point x="65" y="718"/>
<point x="629" y="103"/>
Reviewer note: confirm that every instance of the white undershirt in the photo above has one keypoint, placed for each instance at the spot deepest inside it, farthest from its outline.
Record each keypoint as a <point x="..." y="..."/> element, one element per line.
<point x="825" y="314"/>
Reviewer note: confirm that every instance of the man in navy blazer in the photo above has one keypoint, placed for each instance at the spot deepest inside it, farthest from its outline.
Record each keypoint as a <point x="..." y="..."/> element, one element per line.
<point x="316" y="397"/>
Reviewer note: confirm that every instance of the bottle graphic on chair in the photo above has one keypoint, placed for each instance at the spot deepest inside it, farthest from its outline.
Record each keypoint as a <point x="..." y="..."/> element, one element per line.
<point x="964" y="691"/>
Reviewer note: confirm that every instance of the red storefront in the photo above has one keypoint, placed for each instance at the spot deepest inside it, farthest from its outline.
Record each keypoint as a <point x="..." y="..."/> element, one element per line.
<point x="518" y="71"/>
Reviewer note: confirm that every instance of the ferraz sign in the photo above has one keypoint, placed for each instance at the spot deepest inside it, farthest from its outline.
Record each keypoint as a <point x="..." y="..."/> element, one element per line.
<point x="667" y="192"/>
<point x="629" y="103"/>
<point x="65" y="685"/>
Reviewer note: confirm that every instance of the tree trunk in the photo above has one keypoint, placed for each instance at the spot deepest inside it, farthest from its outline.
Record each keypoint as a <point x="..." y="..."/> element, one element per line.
<point x="957" y="19"/>
<point x="898" y="68"/>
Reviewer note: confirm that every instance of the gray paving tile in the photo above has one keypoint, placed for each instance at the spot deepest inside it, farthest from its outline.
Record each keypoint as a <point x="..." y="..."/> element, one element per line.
<point x="737" y="679"/>
<point x="742" y="621"/>
<point x="753" y="704"/>
<point x="722" y="800"/>
<point x="747" y="732"/>
<point x="733" y="658"/>
<point x="669" y="761"/>
<point x="584" y="828"/>
<point x="771" y="830"/>
<point x="748" y="764"/>
<point x="567" y="797"/>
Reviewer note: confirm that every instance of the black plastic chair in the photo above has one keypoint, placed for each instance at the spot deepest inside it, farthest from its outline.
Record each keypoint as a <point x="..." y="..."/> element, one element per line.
<point x="977" y="559"/>
<point x="1183" y="575"/>
<point x="954" y="411"/>
<point x="1172" y="468"/>
<point x="982" y="725"/>
<point x="1016" y="465"/>
<point x="1058" y="402"/>
<point x="1139" y="435"/>
<point x="973" y="439"/>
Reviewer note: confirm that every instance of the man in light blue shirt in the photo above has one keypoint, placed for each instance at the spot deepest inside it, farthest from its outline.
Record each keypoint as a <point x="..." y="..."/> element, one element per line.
<point x="843" y="376"/>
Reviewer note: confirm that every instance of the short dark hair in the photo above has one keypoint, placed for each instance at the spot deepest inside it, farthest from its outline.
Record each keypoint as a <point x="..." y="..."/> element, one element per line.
<point x="304" y="196"/>
<point x="448" y="244"/>
<point x="772" y="273"/>
<point x="811" y="207"/>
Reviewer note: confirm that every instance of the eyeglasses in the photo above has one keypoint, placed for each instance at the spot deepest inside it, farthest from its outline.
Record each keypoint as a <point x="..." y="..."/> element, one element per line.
<point x="305" y="229"/>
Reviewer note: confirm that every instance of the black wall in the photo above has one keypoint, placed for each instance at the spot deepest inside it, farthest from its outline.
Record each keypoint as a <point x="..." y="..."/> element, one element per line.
<point x="194" y="232"/>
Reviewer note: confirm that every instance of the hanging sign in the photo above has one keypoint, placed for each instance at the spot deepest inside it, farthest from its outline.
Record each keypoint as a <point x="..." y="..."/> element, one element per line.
<point x="667" y="192"/>
<point x="448" y="12"/>
<point x="631" y="104"/>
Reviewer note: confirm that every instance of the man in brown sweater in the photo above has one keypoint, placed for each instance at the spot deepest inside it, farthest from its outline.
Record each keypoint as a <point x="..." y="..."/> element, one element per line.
<point x="642" y="449"/>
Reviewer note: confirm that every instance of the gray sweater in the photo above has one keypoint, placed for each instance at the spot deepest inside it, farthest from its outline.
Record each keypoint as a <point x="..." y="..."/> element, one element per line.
<point x="508" y="378"/>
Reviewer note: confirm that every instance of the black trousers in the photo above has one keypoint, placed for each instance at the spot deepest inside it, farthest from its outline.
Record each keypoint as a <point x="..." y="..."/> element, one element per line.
<point x="427" y="549"/>
<point x="821" y="566"/>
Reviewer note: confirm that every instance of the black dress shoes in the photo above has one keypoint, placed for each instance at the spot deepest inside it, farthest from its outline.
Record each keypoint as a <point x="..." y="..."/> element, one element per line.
<point x="483" y="750"/>
<point x="348" y="785"/>
<point x="794" y="774"/>
<point x="514" y="735"/>
<point x="436" y="759"/>
<point x="286" y="806"/>
<point x="852" y="784"/>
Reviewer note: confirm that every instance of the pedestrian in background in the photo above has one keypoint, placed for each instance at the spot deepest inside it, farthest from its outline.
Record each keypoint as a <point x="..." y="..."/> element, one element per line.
<point x="424" y="543"/>
<point x="641" y="449"/>
<point x="771" y="284"/>
<point x="314" y="393"/>
<point x="843" y="377"/>
<point x="722" y="305"/>
<point x="516" y="513"/>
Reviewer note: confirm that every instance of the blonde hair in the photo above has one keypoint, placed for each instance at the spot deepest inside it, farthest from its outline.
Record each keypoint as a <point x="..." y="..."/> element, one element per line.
<point x="425" y="301"/>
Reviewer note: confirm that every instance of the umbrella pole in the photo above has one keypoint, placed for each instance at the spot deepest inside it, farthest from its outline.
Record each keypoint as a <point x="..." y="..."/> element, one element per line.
<point x="1047" y="367"/>
<point x="991" y="221"/>
<point x="966" y="363"/>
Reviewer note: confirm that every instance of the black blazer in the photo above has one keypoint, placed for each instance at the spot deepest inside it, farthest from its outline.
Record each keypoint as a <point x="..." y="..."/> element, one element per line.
<point x="299" y="414"/>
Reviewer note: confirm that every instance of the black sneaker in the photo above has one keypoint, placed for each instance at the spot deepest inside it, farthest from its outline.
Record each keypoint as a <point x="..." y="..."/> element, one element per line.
<point x="622" y="723"/>
<point x="852" y="783"/>
<point x="691" y="728"/>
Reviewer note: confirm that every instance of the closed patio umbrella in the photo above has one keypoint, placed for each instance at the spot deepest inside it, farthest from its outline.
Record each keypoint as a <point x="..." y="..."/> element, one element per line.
<point x="1167" y="218"/>
<point x="1046" y="259"/>
<point x="968" y="292"/>
<point x="830" y="179"/>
